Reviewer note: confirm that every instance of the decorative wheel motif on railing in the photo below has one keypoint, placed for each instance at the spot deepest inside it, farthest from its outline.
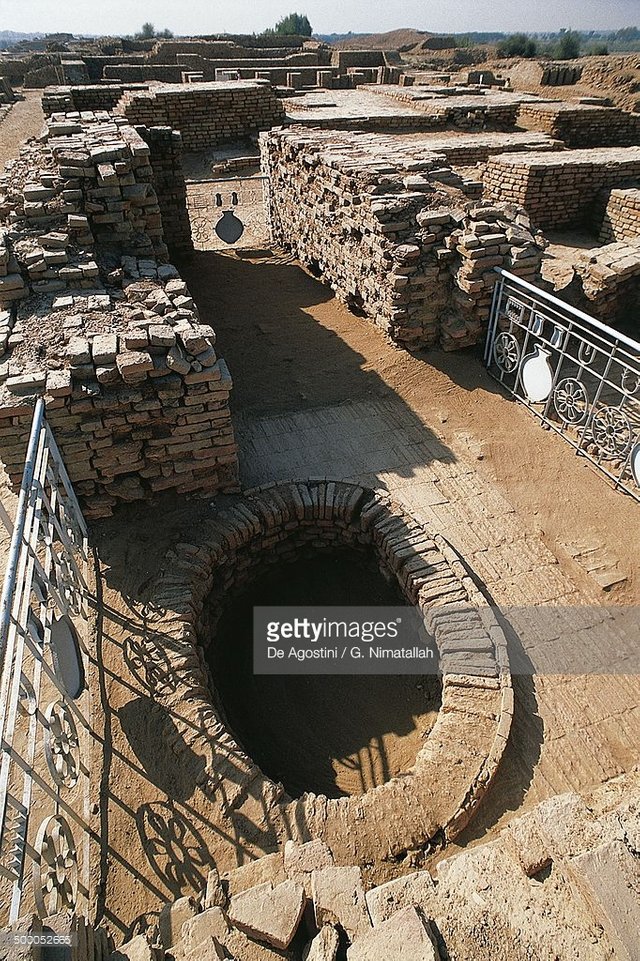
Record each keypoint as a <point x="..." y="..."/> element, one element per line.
<point x="55" y="869"/>
<point x="506" y="351"/>
<point x="61" y="745"/>
<point x="570" y="400"/>
<point x="578" y="376"/>
<point x="611" y="431"/>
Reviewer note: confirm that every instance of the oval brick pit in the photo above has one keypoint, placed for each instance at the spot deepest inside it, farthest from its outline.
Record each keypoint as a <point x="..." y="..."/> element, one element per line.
<point x="286" y="523"/>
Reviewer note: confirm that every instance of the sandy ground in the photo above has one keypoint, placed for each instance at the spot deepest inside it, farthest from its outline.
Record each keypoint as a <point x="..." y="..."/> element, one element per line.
<point x="25" y="119"/>
<point x="291" y="346"/>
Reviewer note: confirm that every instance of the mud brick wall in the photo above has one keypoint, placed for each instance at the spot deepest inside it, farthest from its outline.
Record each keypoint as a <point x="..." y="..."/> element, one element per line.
<point x="558" y="189"/>
<point x="146" y="72"/>
<point x="471" y="149"/>
<point x="206" y="114"/>
<point x="273" y="69"/>
<point x="394" y="242"/>
<point x="89" y="97"/>
<point x="165" y="156"/>
<point x="582" y="125"/>
<point x="560" y="74"/>
<point x="152" y="429"/>
<point x="610" y="281"/>
<point x="622" y="216"/>
<point x="481" y="112"/>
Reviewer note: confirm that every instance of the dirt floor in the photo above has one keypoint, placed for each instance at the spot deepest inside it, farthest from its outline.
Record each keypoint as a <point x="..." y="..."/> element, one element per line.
<point x="290" y="344"/>
<point x="25" y="119"/>
<point x="292" y="347"/>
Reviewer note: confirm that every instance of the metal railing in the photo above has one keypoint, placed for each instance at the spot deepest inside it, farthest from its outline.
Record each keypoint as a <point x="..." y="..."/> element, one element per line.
<point x="578" y="376"/>
<point x="44" y="701"/>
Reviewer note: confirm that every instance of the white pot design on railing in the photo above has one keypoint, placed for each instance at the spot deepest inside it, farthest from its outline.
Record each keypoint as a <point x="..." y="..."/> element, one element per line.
<point x="635" y="464"/>
<point x="537" y="377"/>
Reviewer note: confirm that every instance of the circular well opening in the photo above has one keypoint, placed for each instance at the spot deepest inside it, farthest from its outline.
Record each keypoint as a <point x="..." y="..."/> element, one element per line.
<point x="331" y="735"/>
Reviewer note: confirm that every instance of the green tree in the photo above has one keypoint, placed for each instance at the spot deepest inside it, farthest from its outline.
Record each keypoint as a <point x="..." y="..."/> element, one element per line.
<point x="295" y="24"/>
<point x="568" y="46"/>
<point x="149" y="32"/>
<point x="517" y="45"/>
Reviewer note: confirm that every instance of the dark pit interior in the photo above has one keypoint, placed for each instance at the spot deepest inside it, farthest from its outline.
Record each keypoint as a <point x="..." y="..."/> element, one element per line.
<point x="328" y="735"/>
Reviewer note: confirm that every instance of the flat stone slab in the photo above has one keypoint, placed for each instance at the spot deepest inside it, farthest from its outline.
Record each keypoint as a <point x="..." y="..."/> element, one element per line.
<point x="267" y="868"/>
<point x="338" y="898"/>
<point x="387" y="899"/>
<point x="209" y="950"/>
<point x="242" y="948"/>
<point x="211" y="923"/>
<point x="300" y="860"/>
<point x="404" y="936"/>
<point x="269" y="913"/>
<point x="171" y="919"/>
<point x="324" y="946"/>
<point x="609" y="875"/>
<point x="138" y="949"/>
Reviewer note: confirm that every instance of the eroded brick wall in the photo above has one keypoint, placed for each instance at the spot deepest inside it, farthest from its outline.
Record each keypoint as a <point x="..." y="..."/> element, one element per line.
<point x="206" y="114"/>
<point x="559" y="189"/>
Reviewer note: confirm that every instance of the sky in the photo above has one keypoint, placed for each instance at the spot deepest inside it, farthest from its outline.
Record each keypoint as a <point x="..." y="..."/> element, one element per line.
<point x="326" y="16"/>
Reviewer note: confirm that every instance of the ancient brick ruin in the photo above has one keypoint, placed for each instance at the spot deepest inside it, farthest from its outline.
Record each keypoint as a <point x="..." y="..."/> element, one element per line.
<point x="416" y="199"/>
<point x="134" y="387"/>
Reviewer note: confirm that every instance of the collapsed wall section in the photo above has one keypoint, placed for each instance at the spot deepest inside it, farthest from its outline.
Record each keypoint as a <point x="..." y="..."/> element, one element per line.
<point x="389" y="226"/>
<point x="558" y="189"/>
<point x="609" y="279"/>
<point x="94" y="320"/>
<point x="206" y="114"/>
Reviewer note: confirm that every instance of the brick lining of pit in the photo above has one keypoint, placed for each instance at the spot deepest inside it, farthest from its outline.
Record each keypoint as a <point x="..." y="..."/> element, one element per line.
<point x="460" y="755"/>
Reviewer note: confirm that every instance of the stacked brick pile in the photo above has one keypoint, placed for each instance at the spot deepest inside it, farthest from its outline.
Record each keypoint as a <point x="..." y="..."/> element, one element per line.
<point x="582" y="125"/>
<point x="390" y="227"/>
<point x="622" y="216"/>
<point x="206" y="114"/>
<point x="96" y="185"/>
<point x="558" y="189"/>
<point x="91" y="319"/>
<point x="610" y="280"/>
<point x="87" y="97"/>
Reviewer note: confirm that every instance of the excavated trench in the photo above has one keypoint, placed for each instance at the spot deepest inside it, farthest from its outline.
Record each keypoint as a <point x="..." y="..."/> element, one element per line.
<point x="332" y="735"/>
